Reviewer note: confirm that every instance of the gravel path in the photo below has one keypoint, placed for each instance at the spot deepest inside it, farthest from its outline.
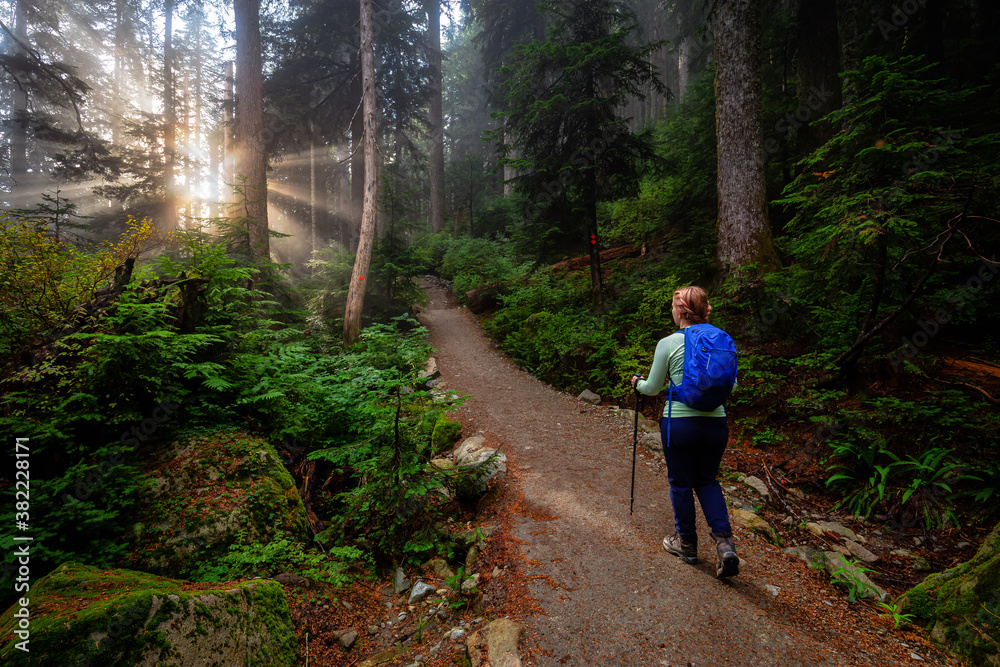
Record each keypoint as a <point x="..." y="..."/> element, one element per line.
<point x="609" y="593"/>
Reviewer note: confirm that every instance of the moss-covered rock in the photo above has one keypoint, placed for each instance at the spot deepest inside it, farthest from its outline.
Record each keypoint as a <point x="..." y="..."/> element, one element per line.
<point x="82" y="616"/>
<point x="961" y="606"/>
<point x="446" y="434"/>
<point x="208" y="492"/>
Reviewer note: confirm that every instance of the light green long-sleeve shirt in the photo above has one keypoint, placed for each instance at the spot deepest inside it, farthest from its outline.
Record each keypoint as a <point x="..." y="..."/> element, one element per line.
<point x="670" y="355"/>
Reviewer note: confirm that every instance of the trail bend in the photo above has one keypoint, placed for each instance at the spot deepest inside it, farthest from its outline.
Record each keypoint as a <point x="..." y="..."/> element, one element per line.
<point x="609" y="593"/>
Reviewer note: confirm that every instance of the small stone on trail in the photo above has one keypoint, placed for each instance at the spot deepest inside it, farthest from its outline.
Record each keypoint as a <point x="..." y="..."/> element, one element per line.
<point x="346" y="638"/>
<point x="773" y="590"/>
<point x="861" y="553"/>
<point x="754" y="523"/>
<point x="292" y="580"/>
<point x="759" y="486"/>
<point x="820" y="528"/>
<point x="813" y="557"/>
<point x="588" y="396"/>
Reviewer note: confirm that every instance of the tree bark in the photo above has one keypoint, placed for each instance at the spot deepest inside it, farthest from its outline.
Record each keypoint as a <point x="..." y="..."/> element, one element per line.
<point x="169" y="122"/>
<point x="357" y="159"/>
<point x="250" y="165"/>
<point x="436" y="119"/>
<point x="312" y="191"/>
<point x="683" y="65"/>
<point x="362" y="260"/>
<point x="743" y="227"/>
<point x="229" y="134"/>
<point x="509" y="173"/>
<point x="19" y="131"/>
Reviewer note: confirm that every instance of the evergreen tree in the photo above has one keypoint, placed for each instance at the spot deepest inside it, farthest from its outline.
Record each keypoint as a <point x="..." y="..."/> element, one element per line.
<point x="561" y="130"/>
<point x="889" y="204"/>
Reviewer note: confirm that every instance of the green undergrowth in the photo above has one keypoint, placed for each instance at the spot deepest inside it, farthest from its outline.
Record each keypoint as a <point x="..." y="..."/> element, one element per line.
<point x="105" y="404"/>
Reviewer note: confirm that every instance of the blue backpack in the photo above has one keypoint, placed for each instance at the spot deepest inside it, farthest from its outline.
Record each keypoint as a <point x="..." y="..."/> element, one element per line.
<point x="709" y="369"/>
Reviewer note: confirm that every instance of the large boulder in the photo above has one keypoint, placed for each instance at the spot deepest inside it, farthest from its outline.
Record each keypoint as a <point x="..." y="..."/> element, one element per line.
<point x="203" y="494"/>
<point x="962" y="605"/>
<point x="82" y="616"/>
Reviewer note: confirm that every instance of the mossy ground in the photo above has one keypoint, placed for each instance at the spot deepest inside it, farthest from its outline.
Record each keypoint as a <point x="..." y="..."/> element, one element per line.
<point x="81" y="616"/>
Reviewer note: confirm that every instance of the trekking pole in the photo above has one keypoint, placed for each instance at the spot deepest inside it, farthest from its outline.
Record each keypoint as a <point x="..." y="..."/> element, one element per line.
<point x="635" y="442"/>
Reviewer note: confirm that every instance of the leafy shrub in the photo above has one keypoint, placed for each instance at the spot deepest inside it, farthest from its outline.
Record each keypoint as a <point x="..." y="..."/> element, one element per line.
<point x="473" y="263"/>
<point x="282" y="556"/>
<point x="128" y="374"/>
<point x="397" y="496"/>
<point x="877" y="470"/>
<point x="44" y="279"/>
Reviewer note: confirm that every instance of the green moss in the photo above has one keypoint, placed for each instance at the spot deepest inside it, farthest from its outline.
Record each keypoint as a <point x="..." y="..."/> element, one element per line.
<point x="962" y="604"/>
<point x="445" y="435"/>
<point x="209" y="492"/>
<point x="921" y="605"/>
<point x="81" y="615"/>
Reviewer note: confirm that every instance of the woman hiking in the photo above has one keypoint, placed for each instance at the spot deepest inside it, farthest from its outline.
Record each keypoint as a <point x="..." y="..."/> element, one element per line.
<point x="693" y="442"/>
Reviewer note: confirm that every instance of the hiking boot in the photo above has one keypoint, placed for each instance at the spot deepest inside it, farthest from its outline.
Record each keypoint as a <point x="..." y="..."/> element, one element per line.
<point x="687" y="549"/>
<point x="728" y="564"/>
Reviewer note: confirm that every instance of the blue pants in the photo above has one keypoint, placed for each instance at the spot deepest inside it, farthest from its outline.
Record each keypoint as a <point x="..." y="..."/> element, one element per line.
<point x="693" y="458"/>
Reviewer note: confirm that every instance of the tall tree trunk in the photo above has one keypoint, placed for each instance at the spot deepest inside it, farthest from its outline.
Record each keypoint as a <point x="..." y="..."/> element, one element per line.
<point x="683" y="65"/>
<point x="214" y="151"/>
<point x="357" y="156"/>
<point x="187" y="206"/>
<point x="593" y="129"/>
<point x="229" y="136"/>
<point x="436" y="119"/>
<point x="169" y="121"/>
<point x="744" y="228"/>
<point x="508" y="173"/>
<point x="250" y="165"/>
<point x="356" y="290"/>
<point x="312" y="190"/>
<point x="19" y="132"/>
<point x="199" y="204"/>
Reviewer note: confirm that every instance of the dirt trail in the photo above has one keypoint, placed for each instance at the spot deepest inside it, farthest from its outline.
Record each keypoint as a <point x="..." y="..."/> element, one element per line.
<point x="609" y="593"/>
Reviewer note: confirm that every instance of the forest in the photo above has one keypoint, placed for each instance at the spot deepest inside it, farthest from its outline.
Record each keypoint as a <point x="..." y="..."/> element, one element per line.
<point x="215" y="219"/>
